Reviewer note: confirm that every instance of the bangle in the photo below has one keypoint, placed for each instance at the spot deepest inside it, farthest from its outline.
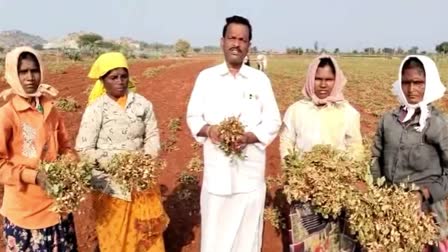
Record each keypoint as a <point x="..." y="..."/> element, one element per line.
<point x="37" y="175"/>
<point x="422" y="195"/>
<point x="208" y="130"/>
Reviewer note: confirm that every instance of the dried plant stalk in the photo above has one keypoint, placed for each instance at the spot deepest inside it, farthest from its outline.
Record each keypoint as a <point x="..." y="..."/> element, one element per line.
<point x="134" y="170"/>
<point x="330" y="180"/>
<point x="68" y="182"/>
<point x="229" y="130"/>
<point x="273" y="216"/>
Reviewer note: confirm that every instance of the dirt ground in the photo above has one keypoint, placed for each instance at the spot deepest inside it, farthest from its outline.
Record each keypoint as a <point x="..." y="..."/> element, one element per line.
<point x="168" y="88"/>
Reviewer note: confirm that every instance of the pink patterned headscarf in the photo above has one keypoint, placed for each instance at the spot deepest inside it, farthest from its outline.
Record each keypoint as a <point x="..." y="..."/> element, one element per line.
<point x="340" y="81"/>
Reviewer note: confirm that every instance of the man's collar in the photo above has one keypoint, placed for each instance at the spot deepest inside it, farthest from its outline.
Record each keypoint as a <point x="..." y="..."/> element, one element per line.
<point x="223" y="70"/>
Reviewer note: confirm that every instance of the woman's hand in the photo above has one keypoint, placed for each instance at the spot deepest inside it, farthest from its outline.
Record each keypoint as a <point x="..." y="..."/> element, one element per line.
<point x="41" y="179"/>
<point x="418" y="199"/>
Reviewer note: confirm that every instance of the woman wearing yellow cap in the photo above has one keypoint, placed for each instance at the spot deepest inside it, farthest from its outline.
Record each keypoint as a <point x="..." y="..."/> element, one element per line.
<point x="119" y="120"/>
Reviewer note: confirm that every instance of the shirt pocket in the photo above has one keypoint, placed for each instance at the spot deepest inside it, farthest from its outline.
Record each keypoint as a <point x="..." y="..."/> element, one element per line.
<point x="251" y="109"/>
<point x="421" y="156"/>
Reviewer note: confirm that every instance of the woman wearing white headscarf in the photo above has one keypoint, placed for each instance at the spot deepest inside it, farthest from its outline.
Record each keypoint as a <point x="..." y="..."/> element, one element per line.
<point x="411" y="143"/>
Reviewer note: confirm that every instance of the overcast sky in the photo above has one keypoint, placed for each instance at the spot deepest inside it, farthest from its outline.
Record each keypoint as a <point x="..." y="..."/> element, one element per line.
<point x="345" y="24"/>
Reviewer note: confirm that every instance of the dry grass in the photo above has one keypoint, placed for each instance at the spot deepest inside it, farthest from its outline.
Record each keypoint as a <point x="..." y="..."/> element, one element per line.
<point x="68" y="104"/>
<point x="195" y="164"/>
<point x="368" y="87"/>
<point x="153" y="71"/>
<point x="273" y="216"/>
<point x="174" y="126"/>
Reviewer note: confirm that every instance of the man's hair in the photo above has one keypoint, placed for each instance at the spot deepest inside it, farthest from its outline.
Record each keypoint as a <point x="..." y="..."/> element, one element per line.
<point x="237" y="20"/>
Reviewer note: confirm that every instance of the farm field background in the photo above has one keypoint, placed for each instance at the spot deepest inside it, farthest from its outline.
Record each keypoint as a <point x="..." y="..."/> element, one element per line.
<point x="167" y="83"/>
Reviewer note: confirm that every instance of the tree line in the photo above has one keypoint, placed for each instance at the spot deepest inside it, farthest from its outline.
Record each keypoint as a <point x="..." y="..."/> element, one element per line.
<point x="441" y="48"/>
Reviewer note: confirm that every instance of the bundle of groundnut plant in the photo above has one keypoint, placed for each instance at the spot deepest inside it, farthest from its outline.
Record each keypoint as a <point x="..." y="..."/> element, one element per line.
<point x="382" y="217"/>
<point x="230" y="129"/>
<point x="134" y="171"/>
<point x="68" y="182"/>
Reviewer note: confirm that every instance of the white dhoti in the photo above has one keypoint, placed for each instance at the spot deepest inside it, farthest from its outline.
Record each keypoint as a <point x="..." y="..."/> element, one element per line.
<point x="232" y="223"/>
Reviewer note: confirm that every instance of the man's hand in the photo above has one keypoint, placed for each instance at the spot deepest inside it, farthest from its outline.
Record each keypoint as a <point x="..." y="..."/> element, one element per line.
<point x="244" y="140"/>
<point x="213" y="134"/>
<point x="241" y="143"/>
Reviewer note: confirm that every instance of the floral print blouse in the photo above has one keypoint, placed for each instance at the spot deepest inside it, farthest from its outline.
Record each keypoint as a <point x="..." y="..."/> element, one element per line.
<point x="107" y="129"/>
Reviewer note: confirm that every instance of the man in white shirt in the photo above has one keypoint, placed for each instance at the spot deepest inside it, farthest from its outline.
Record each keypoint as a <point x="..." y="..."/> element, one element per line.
<point x="233" y="193"/>
<point x="246" y="60"/>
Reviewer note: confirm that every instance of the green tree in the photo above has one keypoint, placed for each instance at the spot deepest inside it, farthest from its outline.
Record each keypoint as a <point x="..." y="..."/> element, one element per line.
<point x="211" y="49"/>
<point x="89" y="39"/>
<point x="442" y="47"/>
<point x="369" y="50"/>
<point x="182" y="47"/>
<point x="157" y="46"/>
<point x="254" y="49"/>
<point x="38" y="47"/>
<point x="197" y="49"/>
<point x="387" y="50"/>
<point x="336" y="50"/>
<point x="143" y="44"/>
<point x="413" y="50"/>
<point x="108" y="45"/>
<point x="72" y="54"/>
<point x="292" y="50"/>
<point x="127" y="52"/>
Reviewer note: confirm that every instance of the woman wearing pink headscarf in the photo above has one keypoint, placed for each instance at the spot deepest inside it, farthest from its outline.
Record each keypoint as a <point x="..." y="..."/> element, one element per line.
<point x="324" y="116"/>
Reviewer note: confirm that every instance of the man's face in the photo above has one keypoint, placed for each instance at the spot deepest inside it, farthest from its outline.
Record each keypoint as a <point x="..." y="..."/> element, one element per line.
<point x="235" y="44"/>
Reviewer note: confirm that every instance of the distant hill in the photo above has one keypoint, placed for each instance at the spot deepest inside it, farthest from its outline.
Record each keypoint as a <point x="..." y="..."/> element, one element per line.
<point x="14" y="38"/>
<point x="68" y="41"/>
<point x="130" y="42"/>
<point x="71" y="41"/>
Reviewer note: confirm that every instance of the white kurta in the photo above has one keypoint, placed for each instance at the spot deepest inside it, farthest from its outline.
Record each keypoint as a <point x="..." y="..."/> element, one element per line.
<point x="233" y="191"/>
